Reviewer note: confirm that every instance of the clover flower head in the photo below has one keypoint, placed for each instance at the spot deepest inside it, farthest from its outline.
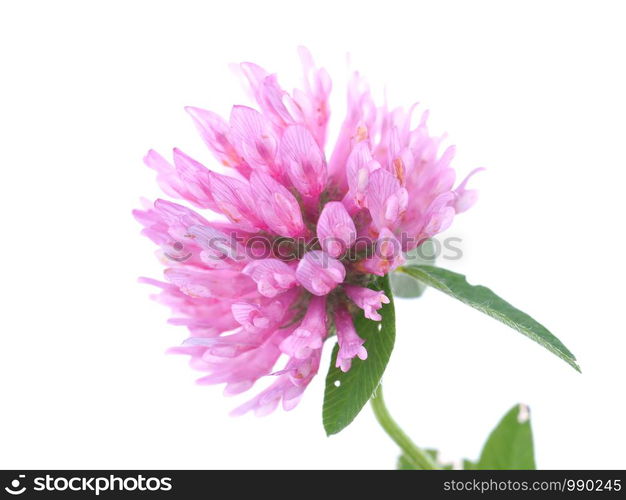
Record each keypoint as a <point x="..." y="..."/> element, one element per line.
<point x="297" y="231"/>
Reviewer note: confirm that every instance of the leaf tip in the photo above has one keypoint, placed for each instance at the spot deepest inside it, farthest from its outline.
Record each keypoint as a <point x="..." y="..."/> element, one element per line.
<point x="329" y="432"/>
<point x="573" y="363"/>
<point x="523" y="413"/>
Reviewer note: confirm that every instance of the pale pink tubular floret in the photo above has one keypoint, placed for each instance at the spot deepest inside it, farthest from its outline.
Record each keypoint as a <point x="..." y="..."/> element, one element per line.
<point x="253" y="76"/>
<point x="465" y="198"/>
<point x="313" y="99"/>
<point x="256" y="317"/>
<point x="216" y="135"/>
<point x="277" y="206"/>
<point x="437" y="217"/>
<point x="171" y="226"/>
<point x="303" y="160"/>
<point x="324" y="228"/>
<point x="273" y="276"/>
<point x="218" y="250"/>
<point x="228" y="346"/>
<point x="254" y="139"/>
<point x="335" y="229"/>
<point x="186" y="179"/>
<point x="387" y="200"/>
<point x="240" y="372"/>
<point x="359" y="165"/>
<point x="387" y="255"/>
<point x="234" y="199"/>
<point x="320" y="273"/>
<point x="267" y="401"/>
<point x="310" y="333"/>
<point x="276" y="102"/>
<point x="195" y="178"/>
<point x="367" y="299"/>
<point x="178" y="215"/>
<point x="300" y="372"/>
<point x="350" y="344"/>
<point x="167" y="177"/>
<point x="166" y="223"/>
<point x="204" y="317"/>
<point x="197" y="282"/>
<point x="178" y="221"/>
<point x="269" y="95"/>
<point x="357" y="127"/>
<point x="291" y="383"/>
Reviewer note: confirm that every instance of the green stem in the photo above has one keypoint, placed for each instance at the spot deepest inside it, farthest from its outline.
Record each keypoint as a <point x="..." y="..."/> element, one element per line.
<point x="418" y="457"/>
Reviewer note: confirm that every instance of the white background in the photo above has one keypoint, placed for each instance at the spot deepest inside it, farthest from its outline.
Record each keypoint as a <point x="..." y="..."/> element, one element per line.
<point x="533" y="91"/>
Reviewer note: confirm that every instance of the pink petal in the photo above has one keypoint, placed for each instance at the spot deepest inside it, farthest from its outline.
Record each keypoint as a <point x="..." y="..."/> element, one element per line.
<point x="195" y="178"/>
<point x="268" y="94"/>
<point x="218" y="249"/>
<point x="216" y="134"/>
<point x="277" y="206"/>
<point x="357" y="127"/>
<point x="320" y="273"/>
<point x="387" y="255"/>
<point x="386" y="199"/>
<point x="253" y="138"/>
<point x="175" y="214"/>
<point x="234" y="199"/>
<point x="187" y="179"/>
<point x="254" y="74"/>
<point x="272" y="101"/>
<point x="350" y="344"/>
<point x="359" y="165"/>
<point x="272" y="276"/>
<point x="200" y="283"/>
<point x="303" y="160"/>
<point x="466" y="198"/>
<point x="335" y="229"/>
<point x="367" y="299"/>
<point x="311" y="332"/>
<point x="313" y="101"/>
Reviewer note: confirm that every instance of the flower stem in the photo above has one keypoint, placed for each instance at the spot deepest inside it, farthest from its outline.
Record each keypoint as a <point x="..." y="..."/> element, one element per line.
<point x="418" y="457"/>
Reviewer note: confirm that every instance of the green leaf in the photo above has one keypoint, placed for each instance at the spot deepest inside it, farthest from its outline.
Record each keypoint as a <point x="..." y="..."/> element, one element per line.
<point x="486" y="301"/>
<point x="510" y="444"/>
<point x="347" y="393"/>
<point x="405" y="286"/>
